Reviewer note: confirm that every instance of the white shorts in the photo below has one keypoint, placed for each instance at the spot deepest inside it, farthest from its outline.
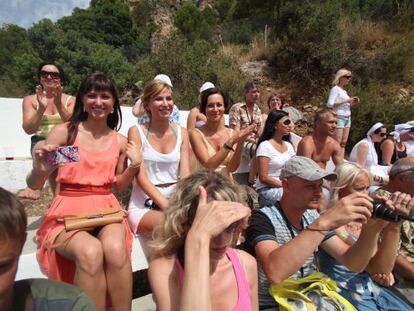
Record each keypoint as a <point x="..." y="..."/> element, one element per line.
<point x="136" y="206"/>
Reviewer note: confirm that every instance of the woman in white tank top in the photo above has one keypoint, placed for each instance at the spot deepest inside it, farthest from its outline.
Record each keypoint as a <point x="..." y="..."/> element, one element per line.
<point x="165" y="159"/>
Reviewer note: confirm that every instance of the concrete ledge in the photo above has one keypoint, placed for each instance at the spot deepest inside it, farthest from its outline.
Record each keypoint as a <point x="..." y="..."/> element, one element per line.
<point x="29" y="267"/>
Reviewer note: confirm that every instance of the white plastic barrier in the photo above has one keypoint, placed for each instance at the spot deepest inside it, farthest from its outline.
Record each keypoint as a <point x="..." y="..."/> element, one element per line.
<point x="15" y="158"/>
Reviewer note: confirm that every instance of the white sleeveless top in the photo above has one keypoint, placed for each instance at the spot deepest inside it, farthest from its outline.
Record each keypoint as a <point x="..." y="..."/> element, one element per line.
<point x="372" y="157"/>
<point x="162" y="168"/>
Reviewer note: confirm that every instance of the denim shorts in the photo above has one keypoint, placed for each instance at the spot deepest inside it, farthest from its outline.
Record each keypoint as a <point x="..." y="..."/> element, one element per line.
<point x="343" y="122"/>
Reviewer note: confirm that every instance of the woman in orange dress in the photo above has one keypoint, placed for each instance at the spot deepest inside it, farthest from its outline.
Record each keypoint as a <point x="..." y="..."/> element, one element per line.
<point x="98" y="261"/>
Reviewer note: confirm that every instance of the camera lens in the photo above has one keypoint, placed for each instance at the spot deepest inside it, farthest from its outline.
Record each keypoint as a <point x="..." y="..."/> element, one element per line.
<point x="382" y="212"/>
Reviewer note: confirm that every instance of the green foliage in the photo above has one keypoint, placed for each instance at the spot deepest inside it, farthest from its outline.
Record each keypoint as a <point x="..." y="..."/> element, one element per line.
<point x="309" y="41"/>
<point x="240" y="31"/>
<point x="45" y="37"/>
<point x="107" y="22"/>
<point x="26" y="66"/>
<point x="195" y="24"/>
<point x="13" y="41"/>
<point x="225" y="8"/>
<point x="378" y="104"/>
<point x="186" y="63"/>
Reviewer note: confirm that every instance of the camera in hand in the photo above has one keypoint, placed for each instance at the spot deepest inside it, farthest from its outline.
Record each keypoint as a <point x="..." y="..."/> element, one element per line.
<point x="380" y="210"/>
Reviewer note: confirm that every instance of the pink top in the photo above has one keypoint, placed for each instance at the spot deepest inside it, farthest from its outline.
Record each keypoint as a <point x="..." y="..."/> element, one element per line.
<point x="244" y="302"/>
<point x="93" y="163"/>
<point x="85" y="186"/>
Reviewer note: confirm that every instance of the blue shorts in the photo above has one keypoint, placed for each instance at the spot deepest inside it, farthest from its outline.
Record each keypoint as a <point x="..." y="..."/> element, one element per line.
<point x="343" y="122"/>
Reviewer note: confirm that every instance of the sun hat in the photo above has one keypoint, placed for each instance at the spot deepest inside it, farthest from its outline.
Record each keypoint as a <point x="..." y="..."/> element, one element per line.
<point x="206" y="86"/>
<point x="164" y="78"/>
<point x="305" y="168"/>
<point x="401" y="129"/>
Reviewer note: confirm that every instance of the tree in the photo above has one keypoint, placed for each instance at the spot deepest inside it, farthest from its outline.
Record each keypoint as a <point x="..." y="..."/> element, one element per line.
<point x="195" y="24"/>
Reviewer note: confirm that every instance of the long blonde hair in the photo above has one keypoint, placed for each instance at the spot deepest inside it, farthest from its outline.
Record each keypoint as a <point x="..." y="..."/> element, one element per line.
<point x="339" y="74"/>
<point x="347" y="173"/>
<point x="169" y="236"/>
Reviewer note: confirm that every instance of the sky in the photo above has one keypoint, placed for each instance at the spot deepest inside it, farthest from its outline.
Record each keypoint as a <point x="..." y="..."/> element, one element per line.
<point x="26" y="12"/>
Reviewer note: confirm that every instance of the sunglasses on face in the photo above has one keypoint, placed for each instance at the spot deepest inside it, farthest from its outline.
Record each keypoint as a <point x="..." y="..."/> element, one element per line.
<point x="348" y="77"/>
<point x="52" y="74"/>
<point x="382" y="134"/>
<point x="287" y="122"/>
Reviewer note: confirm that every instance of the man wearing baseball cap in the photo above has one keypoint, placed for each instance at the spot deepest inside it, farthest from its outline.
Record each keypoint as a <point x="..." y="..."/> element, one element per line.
<point x="284" y="237"/>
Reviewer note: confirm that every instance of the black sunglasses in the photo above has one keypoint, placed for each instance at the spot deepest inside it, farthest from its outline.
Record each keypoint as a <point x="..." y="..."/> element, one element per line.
<point x="378" y="130"/>
<point x="52" y="74"/>
<point x="287" y="122"/>
<point x="348" y="77"/>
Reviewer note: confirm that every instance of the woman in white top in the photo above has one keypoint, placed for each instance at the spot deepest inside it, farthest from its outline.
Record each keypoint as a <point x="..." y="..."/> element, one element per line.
<point x="165" y="154"/>
<point x="364" y="152"/>
<point x="272" y="153"/>
<point x="341" y="102"/>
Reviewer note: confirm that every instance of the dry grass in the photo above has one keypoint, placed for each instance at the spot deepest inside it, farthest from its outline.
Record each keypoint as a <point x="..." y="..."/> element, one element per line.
<point x="240" y="54"/>
<point x="363" y="34"/>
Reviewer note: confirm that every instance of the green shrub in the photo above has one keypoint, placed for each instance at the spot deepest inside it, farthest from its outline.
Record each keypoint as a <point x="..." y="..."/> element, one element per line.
<point x="195" y="24"/>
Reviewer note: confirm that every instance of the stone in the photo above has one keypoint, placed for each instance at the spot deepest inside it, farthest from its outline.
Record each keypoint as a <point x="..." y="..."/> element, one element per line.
<point x="294" y="113"/>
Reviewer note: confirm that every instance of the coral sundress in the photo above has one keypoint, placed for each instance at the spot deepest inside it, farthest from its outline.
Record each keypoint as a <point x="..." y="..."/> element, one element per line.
<point x="84" y="186"/>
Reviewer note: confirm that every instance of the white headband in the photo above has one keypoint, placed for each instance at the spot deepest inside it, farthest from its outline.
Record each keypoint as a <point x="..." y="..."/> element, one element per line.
<point x="401" y="129"/>
<point x="375" y="127"/>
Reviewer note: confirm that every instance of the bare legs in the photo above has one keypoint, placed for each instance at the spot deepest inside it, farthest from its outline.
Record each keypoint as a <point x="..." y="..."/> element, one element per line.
<point x="341" y="136"/>
<point x="118" y="266"/>
<point x="148" y="222"/>
<point x="32" y="194"/>
<point x="102" y="264"/>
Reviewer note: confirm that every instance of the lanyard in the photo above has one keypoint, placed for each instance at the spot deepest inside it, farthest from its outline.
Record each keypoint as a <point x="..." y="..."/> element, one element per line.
<point x="292" y="234"/>
<point x="248" y="116"/>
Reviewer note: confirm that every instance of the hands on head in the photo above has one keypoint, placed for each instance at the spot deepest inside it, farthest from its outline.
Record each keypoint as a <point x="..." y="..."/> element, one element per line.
<point x="214" y="217"/>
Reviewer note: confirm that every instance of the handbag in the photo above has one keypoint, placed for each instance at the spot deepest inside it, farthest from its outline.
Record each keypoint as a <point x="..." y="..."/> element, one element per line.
<point x="313" y="292"/>
<point x="91" y="220"/>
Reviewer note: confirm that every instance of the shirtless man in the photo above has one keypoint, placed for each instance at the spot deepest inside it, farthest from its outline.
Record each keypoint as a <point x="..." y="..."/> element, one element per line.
<point x="320" y="146"/>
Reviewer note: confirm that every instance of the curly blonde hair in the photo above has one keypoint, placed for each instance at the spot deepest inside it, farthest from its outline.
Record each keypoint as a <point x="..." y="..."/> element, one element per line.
<point x="347" y="173"/>
<point x="169" y="236"/>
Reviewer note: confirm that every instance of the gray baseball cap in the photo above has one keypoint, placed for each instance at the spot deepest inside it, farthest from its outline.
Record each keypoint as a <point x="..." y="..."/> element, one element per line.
<point x="305" y="168"/>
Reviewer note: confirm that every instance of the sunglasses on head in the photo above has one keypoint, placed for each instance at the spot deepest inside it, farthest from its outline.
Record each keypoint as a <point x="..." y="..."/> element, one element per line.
<point x="52" y="74"/>
<point x="287" y="122"/>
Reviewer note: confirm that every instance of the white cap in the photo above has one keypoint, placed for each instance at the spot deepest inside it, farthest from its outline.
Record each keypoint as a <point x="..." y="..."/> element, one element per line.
<point x="401" y="129"/>
<point x="206" y="86"/>
<point x="164" y="78"/>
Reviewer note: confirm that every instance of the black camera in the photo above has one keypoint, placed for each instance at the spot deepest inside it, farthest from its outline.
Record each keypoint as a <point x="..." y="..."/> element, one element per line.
<point x="380" y="210"/>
